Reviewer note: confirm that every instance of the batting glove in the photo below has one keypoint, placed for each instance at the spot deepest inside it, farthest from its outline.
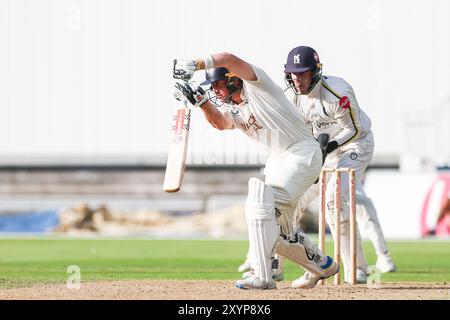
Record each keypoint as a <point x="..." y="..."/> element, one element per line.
<point x="191" y="92"/>
<point x="184" y="69"/>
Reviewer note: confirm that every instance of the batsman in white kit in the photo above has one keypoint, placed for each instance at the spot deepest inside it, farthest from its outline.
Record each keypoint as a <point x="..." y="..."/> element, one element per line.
<point x="328" y="104"/>
<point x="257" y="106"/>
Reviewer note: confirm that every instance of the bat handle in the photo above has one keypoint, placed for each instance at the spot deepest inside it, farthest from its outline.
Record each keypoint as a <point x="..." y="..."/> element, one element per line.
<point x="185" y="102"/>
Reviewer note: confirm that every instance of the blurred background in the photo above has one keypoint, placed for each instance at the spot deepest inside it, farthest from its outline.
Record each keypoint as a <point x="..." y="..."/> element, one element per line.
<point x="86" y="105"/>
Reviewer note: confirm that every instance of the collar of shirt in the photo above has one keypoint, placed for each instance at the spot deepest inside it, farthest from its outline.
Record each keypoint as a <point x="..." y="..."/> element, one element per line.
<point x="315" y="92"/>
<point x="243" y="97"/>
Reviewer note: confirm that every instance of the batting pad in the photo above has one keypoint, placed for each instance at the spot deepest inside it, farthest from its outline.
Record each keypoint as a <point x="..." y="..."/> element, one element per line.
<point x="263" y="229"/>
<point x="345" y="241"/>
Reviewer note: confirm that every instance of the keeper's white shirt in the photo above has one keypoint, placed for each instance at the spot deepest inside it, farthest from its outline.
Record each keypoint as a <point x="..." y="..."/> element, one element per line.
<point x="331" y="107"/>
<point x="267" y="115"/>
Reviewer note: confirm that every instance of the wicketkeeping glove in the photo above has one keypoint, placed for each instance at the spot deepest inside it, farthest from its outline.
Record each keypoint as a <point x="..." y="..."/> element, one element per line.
<point x="331" y="146"/>
<point x="184" y="69"/>
<point x="323" y="140"/>
<point x="191" y="92"/>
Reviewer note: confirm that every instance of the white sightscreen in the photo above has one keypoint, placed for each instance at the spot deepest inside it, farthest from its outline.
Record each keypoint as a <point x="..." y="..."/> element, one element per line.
<point x="90" y="80"/>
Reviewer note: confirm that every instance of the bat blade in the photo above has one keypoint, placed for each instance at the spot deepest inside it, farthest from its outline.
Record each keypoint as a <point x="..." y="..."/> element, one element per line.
<point x="176" y="160"/>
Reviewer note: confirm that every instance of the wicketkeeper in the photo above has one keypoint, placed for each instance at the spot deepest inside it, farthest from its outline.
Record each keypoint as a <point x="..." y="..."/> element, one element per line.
<point x="259" y="107"/>
<point x="328" y="104"/>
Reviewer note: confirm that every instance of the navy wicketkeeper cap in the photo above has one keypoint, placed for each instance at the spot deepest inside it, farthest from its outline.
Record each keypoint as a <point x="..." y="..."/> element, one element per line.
<point x="302" y="59"/>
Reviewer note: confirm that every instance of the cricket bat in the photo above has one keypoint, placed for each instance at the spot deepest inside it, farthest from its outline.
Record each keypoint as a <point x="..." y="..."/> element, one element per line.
<point x="176" y="160"/>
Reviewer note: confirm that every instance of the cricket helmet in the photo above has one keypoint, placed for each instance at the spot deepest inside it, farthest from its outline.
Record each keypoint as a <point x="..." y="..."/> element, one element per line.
<point x="233" y="83"/>
<point x="302" y="59"/>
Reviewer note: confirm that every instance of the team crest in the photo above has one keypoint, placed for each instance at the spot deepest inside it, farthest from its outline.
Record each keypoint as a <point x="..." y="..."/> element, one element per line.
<point x="316" y="57"/>
<point x="297" y="58"/>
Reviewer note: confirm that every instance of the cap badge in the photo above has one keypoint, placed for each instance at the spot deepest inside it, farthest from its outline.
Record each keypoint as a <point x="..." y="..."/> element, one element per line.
<point x="316" y="57"/>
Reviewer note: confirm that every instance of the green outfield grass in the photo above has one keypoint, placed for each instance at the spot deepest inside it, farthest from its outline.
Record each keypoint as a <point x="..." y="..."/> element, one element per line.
<point x="27" y="261"/>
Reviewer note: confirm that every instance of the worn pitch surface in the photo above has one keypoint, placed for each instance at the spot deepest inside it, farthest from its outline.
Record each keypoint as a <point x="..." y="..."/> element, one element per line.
<point x="223" y="290"/>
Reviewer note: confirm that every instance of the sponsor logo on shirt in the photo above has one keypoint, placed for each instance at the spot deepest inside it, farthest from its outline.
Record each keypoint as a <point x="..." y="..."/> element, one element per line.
<point x="252" y="126"/>
<point x="324" y="125"/>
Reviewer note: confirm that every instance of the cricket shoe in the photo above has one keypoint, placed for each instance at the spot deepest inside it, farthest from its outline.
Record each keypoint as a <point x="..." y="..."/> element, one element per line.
<point x="277" y="269"/>
<point x="278" y="277"/>
<point x="309" y="279"/>
<point x="361" y="276"/>
<point x="246" y="266"/>
<point x="385" y="264"/>
<point x="254" y="283"/>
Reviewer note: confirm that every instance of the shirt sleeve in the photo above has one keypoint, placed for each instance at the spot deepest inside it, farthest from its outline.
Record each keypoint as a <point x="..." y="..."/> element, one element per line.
<point x="263" y="81"/>
<point x="345" y="112"/>
<point x="305" y="120"/>
<point x="295" y="101"/>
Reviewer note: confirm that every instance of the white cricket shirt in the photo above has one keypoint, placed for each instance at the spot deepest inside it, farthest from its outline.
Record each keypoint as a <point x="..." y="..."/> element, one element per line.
<point x="331" y="107"/>
<point x="267" y="115"/>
